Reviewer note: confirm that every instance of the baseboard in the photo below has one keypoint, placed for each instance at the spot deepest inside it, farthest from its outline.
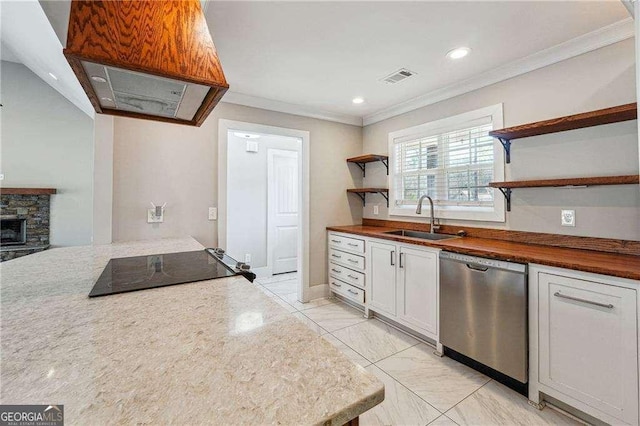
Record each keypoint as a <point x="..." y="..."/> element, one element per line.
<point x="318" y="291"/>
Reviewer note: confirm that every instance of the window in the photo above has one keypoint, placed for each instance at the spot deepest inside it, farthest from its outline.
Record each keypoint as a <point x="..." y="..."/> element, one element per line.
<point x="451" y="160"/>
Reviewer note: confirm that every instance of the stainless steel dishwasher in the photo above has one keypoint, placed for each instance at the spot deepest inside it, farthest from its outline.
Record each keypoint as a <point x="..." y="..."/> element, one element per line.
<point x="483" y="312"/>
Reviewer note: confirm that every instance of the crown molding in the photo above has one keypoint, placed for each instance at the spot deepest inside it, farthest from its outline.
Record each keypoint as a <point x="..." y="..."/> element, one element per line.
<point x="605" y="36"/>
<point x="295" y="109"/>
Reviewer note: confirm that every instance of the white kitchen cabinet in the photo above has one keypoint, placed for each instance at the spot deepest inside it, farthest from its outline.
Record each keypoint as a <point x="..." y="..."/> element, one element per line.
<point x="584" y="327"/>
<point x="418" y="288"/>
<point x="403" y="282"/>
<point x="382" y="277"/>
<point x="398" y="281"/>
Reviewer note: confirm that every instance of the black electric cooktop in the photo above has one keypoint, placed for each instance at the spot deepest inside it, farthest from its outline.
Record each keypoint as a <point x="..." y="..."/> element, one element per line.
<point x="143" y="272"/>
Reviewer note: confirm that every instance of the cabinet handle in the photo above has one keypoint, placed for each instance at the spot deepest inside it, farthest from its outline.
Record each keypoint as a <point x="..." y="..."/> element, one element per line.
<point x="336" y="256"/>
<point x="401" y="260"/>
<point x="578" y="299"/>
<point x="336" y="271"/>
<point x="336" y="241"/>
<point x="352" y="276"/>
<point x="352" y="261"/>
<point x="337" y="285"/>
<point x="352" y="292"/>
<point x="392" y="253"/>
<point x="352" y="245"/>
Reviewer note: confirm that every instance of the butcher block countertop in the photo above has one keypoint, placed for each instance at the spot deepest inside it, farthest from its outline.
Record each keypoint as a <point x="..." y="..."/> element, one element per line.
<point x="618" y="265"/>
<point x="210" y="352"/>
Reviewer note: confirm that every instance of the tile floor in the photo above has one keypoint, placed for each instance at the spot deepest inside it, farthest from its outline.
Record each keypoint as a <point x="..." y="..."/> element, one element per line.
<point x="420" y="387"/>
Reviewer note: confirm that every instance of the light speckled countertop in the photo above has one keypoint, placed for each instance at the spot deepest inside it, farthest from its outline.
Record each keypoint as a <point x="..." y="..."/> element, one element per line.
<point x="216" y="352"/>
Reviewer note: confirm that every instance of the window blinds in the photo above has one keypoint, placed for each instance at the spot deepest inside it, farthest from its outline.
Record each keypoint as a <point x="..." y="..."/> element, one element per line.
<point x="453" y="167"/>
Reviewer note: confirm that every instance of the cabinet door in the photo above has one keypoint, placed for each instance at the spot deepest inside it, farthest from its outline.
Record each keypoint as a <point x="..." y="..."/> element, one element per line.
<point x="588" y="343"/>
<point x="382" y="291"/>
<point x="418" y="288"/>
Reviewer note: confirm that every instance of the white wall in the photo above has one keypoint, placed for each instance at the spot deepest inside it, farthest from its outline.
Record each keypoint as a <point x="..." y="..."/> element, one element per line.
<point x="247" y="195"/>
<point x="102" y="179"/>
<point x="599" y="79"/>
<point x="48" y="142"/>
<point x="163" y="162"/>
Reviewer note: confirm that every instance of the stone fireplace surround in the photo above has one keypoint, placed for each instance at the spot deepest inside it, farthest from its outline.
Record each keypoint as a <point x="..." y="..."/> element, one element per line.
<point x="32" y="204"/>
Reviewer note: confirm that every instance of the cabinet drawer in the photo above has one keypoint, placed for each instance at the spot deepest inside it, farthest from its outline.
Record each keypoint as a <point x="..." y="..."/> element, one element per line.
<point x="346" y="274"/>
<point x="347" y="259"/>
<point x="346" y="243"/>
<point x="346" y="290"/>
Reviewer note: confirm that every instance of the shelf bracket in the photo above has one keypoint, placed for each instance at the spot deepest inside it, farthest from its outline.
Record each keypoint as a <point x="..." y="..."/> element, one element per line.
<point x="386" y="197"/>
<point x="362" y="197"/>
<point x="363" y="167"/>
<point x="386" y="164"/>
<point x="506" y="144"/>
<point x="507" y="195"/>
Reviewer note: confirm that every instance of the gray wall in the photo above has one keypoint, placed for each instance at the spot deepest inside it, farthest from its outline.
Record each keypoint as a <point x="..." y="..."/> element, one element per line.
<point x="599" y="79"/>
<point x="163" y="162"/>
<point x="48" y="142"/>
<point x="247" y="197"/>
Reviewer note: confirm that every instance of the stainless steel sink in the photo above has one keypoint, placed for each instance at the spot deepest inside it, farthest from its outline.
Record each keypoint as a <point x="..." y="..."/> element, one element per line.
<point x="422" y="235"/>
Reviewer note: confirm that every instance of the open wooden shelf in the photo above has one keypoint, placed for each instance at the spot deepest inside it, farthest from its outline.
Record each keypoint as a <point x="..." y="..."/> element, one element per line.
<point x="506" y="187"/>
<point x="27" y="191"/>
<point x="362" y="160"/>
<point x="570" y="122"/>
<point x="584" y="181"/>
<point x="361" y="192"/>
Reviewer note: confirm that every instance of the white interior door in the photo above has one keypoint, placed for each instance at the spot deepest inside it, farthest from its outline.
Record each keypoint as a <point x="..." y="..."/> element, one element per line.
<point x="283" y="206"/>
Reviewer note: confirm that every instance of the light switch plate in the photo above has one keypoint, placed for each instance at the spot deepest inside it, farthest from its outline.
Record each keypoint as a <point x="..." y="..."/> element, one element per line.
<point x="213" y="213"/>
<point x="568" y="218"/>
<point x="152" y="218"/>
<point x="252" y="146"/>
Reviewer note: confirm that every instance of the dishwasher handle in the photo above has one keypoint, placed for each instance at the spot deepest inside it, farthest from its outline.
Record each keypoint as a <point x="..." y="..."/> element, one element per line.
<point x="477" y="268"/>
<point x="482" y="264"/>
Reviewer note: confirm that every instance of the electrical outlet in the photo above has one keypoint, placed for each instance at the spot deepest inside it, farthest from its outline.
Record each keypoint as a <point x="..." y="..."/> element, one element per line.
<point x="213" y="213"/>
<point x="152" y="218"/>
<point x="568" y="218"/>
<point x="247" y="258"/>
<point x="1" y="176"/>
<point x="376" y="210"/>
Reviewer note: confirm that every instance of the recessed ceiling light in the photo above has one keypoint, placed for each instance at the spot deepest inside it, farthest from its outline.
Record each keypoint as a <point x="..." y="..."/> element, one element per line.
<point x="53" y="76"/>
<point x="246" y="135"/>
<point x="98" y="79"/>
<point x="459" y="52"/>
<point x="107" y="99"/>
<point x="357" y="100"/>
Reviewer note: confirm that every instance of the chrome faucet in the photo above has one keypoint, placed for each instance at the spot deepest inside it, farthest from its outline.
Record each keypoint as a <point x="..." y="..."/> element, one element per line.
<point x="433" y="219"/>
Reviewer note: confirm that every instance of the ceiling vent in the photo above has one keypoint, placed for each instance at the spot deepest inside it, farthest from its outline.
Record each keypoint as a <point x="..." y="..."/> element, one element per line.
<point x="146" y="59"/>
<point x="398" y="76"/>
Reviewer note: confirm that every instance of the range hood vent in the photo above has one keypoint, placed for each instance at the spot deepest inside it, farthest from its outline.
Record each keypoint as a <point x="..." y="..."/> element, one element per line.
<point x="146" y="59"/>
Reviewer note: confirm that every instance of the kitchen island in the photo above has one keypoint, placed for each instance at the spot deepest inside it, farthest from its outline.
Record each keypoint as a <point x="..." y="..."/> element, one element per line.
<point x="214" y="352"/>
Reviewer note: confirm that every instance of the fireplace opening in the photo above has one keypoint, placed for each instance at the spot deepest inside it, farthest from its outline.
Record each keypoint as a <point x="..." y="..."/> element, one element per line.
<point x="13" y="231"/>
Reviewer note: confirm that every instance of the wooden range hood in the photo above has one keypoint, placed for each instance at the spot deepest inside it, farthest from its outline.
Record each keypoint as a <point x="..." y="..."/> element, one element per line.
<point x="147" y="59"/>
